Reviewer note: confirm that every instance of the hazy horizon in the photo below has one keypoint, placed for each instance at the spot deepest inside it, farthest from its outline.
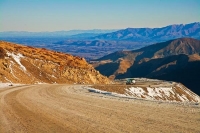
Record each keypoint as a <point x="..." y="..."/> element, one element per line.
<point x="93" y="29"/>
<point x="66" y="15"/>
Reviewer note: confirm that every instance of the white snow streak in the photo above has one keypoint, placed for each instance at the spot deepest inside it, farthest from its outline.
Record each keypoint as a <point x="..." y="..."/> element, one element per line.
<point x="7" y="80"/>
<point x="17" y="59"/>
<point x="11" y="70"/>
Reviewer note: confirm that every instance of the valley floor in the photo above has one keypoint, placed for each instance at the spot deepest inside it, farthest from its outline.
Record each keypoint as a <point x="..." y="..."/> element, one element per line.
<point x="72" y="108"/>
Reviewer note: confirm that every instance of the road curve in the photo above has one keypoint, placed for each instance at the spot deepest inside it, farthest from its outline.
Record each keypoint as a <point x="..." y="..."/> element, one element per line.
<point x="72" y="108"/>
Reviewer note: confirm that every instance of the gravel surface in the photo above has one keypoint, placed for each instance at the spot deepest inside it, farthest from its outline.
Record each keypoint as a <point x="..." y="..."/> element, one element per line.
<point x="72" y="108"/>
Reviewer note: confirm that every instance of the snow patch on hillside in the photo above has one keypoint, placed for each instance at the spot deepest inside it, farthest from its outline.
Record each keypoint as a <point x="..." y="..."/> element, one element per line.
<point x="136" y="91"/>
<point x="17" y="58"/>
<point x="160" y="90"/>
<point x="162" y="93"/>
<point x="165" y="93"/>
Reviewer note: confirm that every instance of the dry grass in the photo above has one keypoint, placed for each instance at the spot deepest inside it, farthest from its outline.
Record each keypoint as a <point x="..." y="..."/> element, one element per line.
<point x="112" y="88"/>
<point x="44" y="54"/>
<point x="44" y="65"/>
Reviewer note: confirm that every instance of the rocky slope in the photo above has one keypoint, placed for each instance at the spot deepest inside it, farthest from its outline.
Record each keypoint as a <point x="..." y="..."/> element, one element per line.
<point x="24" y="64"/>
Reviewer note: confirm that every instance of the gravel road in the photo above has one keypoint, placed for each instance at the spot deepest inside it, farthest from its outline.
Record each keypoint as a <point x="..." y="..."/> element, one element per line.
<point x="72" y="108"/>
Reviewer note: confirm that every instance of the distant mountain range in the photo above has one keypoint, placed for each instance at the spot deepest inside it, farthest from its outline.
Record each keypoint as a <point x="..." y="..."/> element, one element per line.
<point x="83" y="33"/>
<point x="93" y="44"/>
<point x="126" y="39"/>
<point x="129" y="34"/>
<point x="154" y="34"/>
<point x="175" y="60"/>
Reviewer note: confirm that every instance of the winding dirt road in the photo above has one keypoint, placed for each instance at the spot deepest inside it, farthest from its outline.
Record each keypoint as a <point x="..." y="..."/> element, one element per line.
<point x="72" y="108"/>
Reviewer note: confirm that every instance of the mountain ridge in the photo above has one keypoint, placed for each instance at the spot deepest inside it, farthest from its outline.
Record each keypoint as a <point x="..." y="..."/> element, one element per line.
<point x="161" y="49"/>
<point x="155" y="34"/>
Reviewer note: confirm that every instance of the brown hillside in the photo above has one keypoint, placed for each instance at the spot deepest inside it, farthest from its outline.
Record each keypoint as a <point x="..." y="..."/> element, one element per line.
<point x="159" y="50"/>
<point x="25" y="64"/>
<point x="186" y="46"/>
<point x="179" y="46"/>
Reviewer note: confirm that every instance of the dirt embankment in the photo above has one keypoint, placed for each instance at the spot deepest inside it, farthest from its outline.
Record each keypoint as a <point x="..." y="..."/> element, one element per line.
<point x="71" y="108"/>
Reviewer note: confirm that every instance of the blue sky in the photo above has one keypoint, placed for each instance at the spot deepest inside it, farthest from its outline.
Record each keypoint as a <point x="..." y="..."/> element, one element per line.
<point x="56" y="15"/>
